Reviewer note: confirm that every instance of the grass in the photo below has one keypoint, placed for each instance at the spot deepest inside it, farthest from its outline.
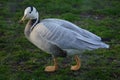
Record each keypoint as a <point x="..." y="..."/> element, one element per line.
<point x="21" y="60"/>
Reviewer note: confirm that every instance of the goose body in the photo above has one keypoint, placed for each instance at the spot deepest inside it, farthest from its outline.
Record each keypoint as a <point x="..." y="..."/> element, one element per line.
<point x="59" y="37"/>
<point x="64" y="35"/>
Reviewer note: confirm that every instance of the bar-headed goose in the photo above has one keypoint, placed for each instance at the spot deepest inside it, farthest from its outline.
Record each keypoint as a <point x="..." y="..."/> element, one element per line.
<point x="59" y="37"/>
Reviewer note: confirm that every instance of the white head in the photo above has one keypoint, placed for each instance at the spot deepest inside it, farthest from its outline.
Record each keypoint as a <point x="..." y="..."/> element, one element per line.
<point x="30" y="13"/>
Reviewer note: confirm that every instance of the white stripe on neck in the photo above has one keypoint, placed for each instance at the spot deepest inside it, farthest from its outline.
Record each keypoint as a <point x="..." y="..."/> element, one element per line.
<point x="34" y="25"/>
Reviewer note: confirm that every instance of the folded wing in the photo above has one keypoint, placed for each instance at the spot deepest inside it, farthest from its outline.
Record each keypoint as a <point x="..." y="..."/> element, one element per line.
<point x="70" y="38"/>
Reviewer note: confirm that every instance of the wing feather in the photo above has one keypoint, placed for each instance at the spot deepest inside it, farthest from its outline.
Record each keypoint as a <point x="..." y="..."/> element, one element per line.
<point x="73" y="27"/>
<point x="66" y="38"/>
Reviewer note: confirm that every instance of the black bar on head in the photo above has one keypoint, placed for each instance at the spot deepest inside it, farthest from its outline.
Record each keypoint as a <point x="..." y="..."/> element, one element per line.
<point x="31" y="9"/>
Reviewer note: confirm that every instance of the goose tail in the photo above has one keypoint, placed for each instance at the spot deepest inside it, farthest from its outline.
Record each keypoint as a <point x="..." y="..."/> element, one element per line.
<point x="103" y="45"/>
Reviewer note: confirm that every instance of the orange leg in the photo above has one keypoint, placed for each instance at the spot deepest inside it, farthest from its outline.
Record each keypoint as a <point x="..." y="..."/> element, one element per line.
<point x="52" y="68"/>
<point x="78" y="64"/>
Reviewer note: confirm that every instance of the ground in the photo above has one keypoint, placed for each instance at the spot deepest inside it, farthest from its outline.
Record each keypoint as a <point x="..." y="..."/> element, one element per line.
<point x="21" y="60"/>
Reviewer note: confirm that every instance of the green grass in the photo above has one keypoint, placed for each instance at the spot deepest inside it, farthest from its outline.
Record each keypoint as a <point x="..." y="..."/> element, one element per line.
<point x="21" y="60"/>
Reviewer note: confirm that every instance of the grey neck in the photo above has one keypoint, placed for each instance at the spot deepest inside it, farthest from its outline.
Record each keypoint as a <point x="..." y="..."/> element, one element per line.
<point x="34" y="22"/>
<point x="30" y="26"/>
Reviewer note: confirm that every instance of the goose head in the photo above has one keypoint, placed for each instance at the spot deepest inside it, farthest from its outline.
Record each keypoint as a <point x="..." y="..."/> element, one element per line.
<point x="30" y="13"/>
